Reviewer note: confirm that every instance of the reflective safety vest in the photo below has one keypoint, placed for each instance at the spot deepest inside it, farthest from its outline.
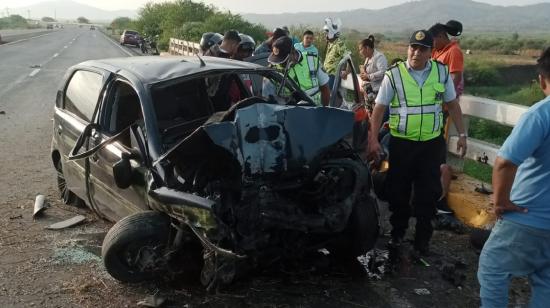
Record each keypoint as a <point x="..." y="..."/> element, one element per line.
<point x="304" y="73"/>
<point x="416" y="112"/>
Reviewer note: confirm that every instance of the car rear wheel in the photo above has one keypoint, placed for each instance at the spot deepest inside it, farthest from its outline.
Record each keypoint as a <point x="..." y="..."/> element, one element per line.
<point x="133" y="248"/>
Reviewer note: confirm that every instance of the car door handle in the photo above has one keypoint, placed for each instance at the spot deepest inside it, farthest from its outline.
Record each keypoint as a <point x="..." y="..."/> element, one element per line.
<point x="59" y="129"/>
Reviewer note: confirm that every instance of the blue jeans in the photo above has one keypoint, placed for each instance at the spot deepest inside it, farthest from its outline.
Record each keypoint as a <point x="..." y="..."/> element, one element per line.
<point x="514" y="250"/>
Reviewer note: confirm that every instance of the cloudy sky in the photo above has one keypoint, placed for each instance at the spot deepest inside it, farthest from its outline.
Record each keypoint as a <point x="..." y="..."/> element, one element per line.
<point x="248" y="6"/>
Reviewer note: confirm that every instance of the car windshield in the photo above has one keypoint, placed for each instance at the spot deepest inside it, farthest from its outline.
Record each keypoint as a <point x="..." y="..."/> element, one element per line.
<point x="182" y="106"/>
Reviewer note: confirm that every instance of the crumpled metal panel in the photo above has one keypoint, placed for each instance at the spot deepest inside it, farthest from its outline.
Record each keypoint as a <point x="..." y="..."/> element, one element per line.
<point x="270" y="138"/>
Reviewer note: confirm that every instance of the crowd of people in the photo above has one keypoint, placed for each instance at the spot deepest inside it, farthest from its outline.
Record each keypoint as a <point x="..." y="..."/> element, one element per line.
<point x="418" y="98"/>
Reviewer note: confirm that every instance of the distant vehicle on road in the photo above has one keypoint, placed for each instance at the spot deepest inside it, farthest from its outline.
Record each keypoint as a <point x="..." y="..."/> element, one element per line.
<point x="92" y="27"/>
<point x="130" y="37"/>
<point x="49" y="26"/>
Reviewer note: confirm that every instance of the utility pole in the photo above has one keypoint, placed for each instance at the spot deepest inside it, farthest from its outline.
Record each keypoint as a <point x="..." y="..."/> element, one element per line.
<point x="28" y="14"/>
<point x="55" y="14"/>
<point x="7" y="12"/>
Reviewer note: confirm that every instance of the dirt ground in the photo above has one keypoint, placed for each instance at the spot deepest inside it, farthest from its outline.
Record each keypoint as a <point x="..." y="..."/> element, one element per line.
<point x="44" y="268"/>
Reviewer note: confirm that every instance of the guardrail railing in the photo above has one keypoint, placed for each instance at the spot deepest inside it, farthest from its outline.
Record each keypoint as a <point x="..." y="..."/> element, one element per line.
<point x="501" y="112"/>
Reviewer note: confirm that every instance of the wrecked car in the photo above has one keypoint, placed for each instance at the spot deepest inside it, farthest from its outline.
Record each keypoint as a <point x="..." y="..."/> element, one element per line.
<point x="203" y="175"/>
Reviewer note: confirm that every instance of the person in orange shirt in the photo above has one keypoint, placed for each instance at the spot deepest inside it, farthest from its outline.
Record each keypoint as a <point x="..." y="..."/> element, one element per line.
<point x="448" y="52"/>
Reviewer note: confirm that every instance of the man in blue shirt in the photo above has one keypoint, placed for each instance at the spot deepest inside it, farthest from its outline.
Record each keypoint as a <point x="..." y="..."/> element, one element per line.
<point x="519" y="244"/>
<point x="307" y="43"/>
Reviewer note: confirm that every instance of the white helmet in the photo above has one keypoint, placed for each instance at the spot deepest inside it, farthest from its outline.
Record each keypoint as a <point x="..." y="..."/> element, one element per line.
<point x="332" y="28"/>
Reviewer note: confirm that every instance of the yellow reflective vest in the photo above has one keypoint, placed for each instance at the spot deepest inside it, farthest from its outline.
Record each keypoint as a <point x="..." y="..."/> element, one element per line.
<point x="416" y="112"/>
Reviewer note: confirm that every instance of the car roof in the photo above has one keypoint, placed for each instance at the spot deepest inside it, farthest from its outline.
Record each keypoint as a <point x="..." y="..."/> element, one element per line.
<point x="153" y="69"/>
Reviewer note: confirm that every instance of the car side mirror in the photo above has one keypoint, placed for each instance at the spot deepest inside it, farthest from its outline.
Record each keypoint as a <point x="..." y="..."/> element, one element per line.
<point x="122" y="172"/>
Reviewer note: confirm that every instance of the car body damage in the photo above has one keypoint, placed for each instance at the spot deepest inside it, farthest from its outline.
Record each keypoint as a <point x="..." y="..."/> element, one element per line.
<point x="199" y="185"/>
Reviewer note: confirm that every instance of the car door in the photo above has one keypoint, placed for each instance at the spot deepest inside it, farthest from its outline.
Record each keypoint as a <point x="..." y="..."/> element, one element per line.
<point x="345" y="94"/>
<point x="75" y="108"/>
<point x="120" y="112"/>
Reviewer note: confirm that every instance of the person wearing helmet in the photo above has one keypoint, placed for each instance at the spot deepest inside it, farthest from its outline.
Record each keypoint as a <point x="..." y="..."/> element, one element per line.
<point x="227" y="48"/>
<point x="303" y="69"/>
<point x="336" y="48"/>
<point x="246" y="47"/>
<point x="208" y="40"/>
<point x="265" y="47"/>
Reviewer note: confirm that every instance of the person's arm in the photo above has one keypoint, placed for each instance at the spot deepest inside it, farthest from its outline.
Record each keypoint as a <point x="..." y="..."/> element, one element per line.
<point x="325" y="94"/>
<point x="504" y="173"/>
<point x="385" y="95"/>
<point x="456" y="114"/>
<point x="457" y="78"/>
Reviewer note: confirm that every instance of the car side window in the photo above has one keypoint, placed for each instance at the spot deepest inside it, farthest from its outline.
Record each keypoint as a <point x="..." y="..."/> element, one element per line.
<point x="82" y="94"/>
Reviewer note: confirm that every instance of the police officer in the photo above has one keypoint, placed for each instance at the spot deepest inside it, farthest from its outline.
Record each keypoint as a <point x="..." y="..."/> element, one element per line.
<point x="208" y="40"/>
<point x="415" y="92"/>
<point x="303" y="68"/>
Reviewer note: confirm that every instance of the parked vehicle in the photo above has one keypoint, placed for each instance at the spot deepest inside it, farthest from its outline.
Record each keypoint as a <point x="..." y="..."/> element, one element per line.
<point x="92" y="27"/>
<point x="130" y="37"/>
<point x="49" y="26"/>
<point x="203" y="177"/>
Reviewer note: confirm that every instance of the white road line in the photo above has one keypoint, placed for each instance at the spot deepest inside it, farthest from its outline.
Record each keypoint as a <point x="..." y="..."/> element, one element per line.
<point x="34" y="72"/>
<point x="55" y="55"/>
<point x="26" y="39"/>
<point x="117" y="45"/>
<point x="65" y="46"/>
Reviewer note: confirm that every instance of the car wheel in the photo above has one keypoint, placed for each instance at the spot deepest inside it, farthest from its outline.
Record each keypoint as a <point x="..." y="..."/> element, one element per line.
<point x="66" y="195"/>
<point x="133" y="246"/>
<point x="363" y="226"/>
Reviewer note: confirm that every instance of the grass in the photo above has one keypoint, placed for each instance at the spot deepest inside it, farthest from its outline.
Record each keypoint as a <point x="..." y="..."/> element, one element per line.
<point x="478" y="171"/>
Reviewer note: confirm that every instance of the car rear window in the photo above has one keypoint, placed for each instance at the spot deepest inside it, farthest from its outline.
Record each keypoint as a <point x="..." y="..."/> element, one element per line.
<point x="131" y="32"/>
<point x="82" y="94"/>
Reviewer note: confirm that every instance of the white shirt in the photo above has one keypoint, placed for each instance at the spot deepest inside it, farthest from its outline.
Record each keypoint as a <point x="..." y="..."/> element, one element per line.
<point x="375" y="67"/>
<point x="386" y="93"/>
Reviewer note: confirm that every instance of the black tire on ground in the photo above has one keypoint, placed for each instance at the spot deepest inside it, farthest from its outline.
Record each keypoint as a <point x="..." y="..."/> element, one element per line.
<point x="363" y="226"/>
<point x="127" y="237"/>
<point x="66" y="195"/>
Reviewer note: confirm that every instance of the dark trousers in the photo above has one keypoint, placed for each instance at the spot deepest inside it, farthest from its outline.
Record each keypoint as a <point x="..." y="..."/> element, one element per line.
<point x="414" y="165"/>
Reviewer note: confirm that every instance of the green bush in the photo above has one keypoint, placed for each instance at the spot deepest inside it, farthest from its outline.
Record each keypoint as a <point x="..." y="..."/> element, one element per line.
<point x="13" y="22"/>
<point x="481" y="73"/>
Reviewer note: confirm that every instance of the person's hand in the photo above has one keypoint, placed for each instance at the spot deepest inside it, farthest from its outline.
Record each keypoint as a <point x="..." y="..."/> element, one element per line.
<point x="461" y="146"/>
<point x="508" y="206"/>
<point x="374" y="150"/>
<point x="344" y="75"/>
<point x="364" y="76"/>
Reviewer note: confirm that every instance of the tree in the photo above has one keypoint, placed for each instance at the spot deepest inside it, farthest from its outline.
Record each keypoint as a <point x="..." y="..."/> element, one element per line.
<point x="121" y="23"/>
<point x="48" y="19"/>
<point x="82" y="20"/>
<point x="13" y="22"/>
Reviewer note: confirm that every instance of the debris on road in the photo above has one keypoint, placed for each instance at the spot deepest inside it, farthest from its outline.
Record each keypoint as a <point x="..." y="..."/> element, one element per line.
<point x="67" y="223"/>
<point x="478" y="237"/>
<point x="453" y="272"/>
<point x="153" y="301"/>
<point x="16" y="217"/>
<point x="40" y="205"/>
<point x="375" y="263"/>
<point x="2" y="112"/>
<point x="422" y="291"/>
<point x="36" y="66"/>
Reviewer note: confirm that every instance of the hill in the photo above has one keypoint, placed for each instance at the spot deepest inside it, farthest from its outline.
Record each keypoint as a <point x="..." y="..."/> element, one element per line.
<point x="70" y="10"/>
<point x="475" y="16"/>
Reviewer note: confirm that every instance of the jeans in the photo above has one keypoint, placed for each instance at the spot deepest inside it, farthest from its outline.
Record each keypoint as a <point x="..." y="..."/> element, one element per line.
<point x="514" y="250"/>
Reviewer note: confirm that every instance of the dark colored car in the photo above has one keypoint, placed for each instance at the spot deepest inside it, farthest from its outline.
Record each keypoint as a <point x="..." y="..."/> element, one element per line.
<point x="49" y="26"/>
<point x="130" y="37"/>
<point x="202" y="176"/>
<point x="92" y="27"/>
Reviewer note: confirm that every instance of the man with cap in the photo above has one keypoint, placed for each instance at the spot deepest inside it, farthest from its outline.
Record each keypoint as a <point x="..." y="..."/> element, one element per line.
<point x="265" y="47"/>
<point x="303" y="69"/>
<point x="228" y="47"/>
<point x="415" y="91"/>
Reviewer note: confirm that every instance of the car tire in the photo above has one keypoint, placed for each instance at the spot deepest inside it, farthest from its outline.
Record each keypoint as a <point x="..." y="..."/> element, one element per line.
<point x="127" y="238"/>
<point x="363" y="226"/>
<point x="66" y="195"/>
